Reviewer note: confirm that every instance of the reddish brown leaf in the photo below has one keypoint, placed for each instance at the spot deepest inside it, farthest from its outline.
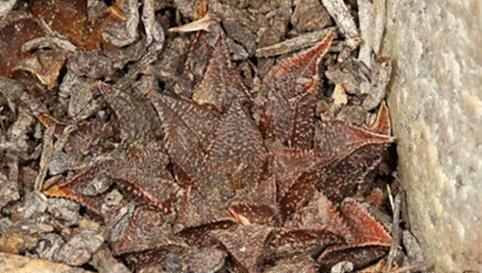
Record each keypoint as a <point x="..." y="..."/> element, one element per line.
<point x="365" y="229"/>
<point x="382" y="124"/>
<point x="304" y="65"/>
<point x="359" y="255"/>
<point x="290" y="119"/>
<point x="237" y="151"/>
<point x="252" y="213"/>
<point x="245" y="243"/>
<point x="137" y="118"/>
<point x="340" y="179"/>
<point x="207" y="259"/>
<point x="186" y="127"/>
<point x="320" y="213"/>
<point x="143" y="177"/>
<point x="199" y="54"/>
<point x="201" y="121"/>
<point x="184" y="180"/>
<point x="258" y="206"/>
<point x="363" y="239"/>
<point x="347" y="155"/>
<point x="303" y="265"/>
<point x="177" y="259"/>
<point x="367" y="242"/>
<point x="200" y="235"/>
<point x="91" y="136"/>
<point x="292" y="86"/>
<point x="235" y="158"/>
<point x="146" y="178"/>
<point x="337" y="139"/>
<point x="152" y="260"/>
<point x="73" y="188"/>
<point x="221" y="83"/>
<point x="304" y="241"/>
<point x="147" y="229"/>
<point x="198" y="214"/>
<point x="301" y="190"/>
<point x="289" y="164"/>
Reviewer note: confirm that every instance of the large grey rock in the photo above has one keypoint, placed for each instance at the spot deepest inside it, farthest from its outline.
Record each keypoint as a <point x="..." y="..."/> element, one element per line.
<point x="436" y="104"/>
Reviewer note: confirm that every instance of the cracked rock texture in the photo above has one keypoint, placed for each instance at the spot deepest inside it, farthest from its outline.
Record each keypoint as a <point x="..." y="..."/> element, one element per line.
<point x="10" y="263"/>
<point x="436" y="103"/>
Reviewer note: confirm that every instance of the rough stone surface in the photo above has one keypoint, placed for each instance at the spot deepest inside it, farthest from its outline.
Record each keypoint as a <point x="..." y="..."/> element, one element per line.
<point x="18" y="264"/>
<point x="8" y="191"/>
<point x="436" y="103"/>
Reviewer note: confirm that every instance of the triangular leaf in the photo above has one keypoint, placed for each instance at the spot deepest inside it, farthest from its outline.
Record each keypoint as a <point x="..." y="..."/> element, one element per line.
<point x="382" y="124"/>
<point x="237" y="150"/>
<point x="147" y="229"/>
<point x="187" y="127"/>
<point x="289" y="164"/>
<point x="221" y="83"/>
<point x="137" y="118"/>
<point x="304" y="65"/>
<point x="245" y="243"/>
<point x="291" y="88"/>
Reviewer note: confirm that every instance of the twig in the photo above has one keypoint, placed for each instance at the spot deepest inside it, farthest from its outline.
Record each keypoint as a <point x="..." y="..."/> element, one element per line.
<point x="366" y="22"/>
<point x="51" y="181"/>
<point x="379" y="27"/>
<point x="404" y="211"/>
<point x="390" y="197"/>
<point x="154" y="31"/>
<point x="340" y="13"/>
<point x="201" y="24"/>
<point x="294" y="44"/>
<point x="395" y="233"/>
<point x="47" y="153"/>
<point x="48" y="42"/>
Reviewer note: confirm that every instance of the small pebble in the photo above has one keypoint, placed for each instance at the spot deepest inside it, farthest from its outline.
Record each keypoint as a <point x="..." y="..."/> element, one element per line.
<point x="8" y="191"/>
<point x="64" y="209"/>
<point x="35" y="203"/>
<point x="342" y="267"/>
<point x="80" y="248"/>
<point x="50" y="244"/>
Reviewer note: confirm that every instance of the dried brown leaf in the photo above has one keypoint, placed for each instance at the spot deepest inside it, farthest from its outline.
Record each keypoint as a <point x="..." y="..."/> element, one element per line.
<point x="15" y="30"/>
